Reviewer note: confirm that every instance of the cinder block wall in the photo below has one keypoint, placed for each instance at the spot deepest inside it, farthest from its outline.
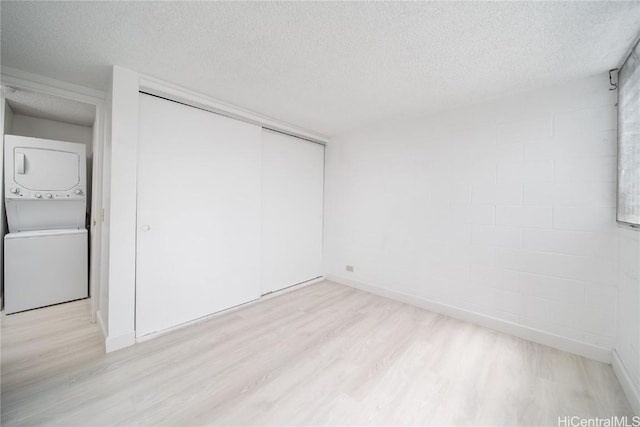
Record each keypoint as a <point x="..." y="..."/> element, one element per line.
<point x="505" y="209"/>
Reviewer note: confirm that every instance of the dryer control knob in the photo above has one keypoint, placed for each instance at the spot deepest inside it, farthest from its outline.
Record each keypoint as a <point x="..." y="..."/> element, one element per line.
<point x="38" y="196"/>
<point x="78" y="191"/>
<point x="49" y="196"/>
<point x="15" y="190"/>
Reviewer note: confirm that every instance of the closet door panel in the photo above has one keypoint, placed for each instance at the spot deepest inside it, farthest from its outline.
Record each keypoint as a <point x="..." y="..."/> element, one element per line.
<point x="199" y="196"/>
<point x="292" y="205"/>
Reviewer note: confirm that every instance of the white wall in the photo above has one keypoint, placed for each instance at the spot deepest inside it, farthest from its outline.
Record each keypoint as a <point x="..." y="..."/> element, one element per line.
<point x="122" y="209"/>
<point x="50" y="129"/>
<point x="504" y="210"/>
<point x="628" y="332"/>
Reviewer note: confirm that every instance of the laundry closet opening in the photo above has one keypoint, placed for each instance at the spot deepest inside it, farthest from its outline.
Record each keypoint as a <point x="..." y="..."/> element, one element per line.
<point x="47" y="191"/>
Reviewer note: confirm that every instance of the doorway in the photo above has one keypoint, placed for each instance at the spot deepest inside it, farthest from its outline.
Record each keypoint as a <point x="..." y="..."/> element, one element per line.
<point x="31" y="109"/>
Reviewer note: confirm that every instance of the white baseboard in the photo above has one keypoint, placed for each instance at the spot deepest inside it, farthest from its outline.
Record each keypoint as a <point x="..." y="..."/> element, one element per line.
<point x="119" y="342"/>
<point x="536" y="335"/>
<point x="113" y="343"/>
<point x="101" y="324"/>
<point x="630" y="389"/>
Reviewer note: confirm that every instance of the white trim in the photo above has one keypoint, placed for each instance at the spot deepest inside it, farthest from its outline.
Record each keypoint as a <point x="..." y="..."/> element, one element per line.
<point x="119" y="342"/>
<point x="101" y="324"/>
<point x="15" y="77"/>
<point x="177" y="93"/>
<point x="629" y="388"/>
<point x="264" y="297"/>
<point x="315" y="141"/>
<point x="95" y="222"/>
<point x="541" y="337"/>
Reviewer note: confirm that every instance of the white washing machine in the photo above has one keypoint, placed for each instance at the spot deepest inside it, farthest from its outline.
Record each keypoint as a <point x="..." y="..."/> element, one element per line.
<point x="44" y="267"/>
<point x="46" y="252"/>
<point x="44" y="184"/>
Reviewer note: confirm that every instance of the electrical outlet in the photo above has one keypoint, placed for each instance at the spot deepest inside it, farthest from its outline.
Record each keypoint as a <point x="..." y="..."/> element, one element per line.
<point x="350" y="268"/>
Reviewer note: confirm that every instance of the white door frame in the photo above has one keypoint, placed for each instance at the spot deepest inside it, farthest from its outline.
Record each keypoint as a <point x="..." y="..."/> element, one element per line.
<point x="40" y="84"/>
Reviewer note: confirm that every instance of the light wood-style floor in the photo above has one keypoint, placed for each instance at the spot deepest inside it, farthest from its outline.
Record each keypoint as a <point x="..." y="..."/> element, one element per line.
<point x="324" y="354"/>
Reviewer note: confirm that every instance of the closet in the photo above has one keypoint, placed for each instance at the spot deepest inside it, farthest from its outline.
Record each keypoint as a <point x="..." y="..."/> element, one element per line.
<point x="224" y="211"/>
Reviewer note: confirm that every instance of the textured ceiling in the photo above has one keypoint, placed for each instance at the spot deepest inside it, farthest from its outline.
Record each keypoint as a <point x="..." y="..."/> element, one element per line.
<point x="49" y="107"/>
<point x="328" y="67"/>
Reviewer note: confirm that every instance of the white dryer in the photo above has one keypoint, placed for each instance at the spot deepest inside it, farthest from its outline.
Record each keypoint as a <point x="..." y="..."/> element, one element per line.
<point x="46" y="252"/>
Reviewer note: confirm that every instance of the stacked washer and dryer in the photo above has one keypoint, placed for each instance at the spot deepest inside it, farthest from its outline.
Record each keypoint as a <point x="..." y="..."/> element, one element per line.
<point x="45" y="252"/>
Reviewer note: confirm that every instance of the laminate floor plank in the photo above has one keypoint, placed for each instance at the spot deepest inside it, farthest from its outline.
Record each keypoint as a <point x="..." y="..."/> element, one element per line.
<point x="323" y="354"/>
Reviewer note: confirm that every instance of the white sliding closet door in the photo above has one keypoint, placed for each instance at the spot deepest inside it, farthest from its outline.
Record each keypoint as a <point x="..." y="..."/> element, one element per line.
<point x="199" y="195"/>
<point x="292" y="204"/>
